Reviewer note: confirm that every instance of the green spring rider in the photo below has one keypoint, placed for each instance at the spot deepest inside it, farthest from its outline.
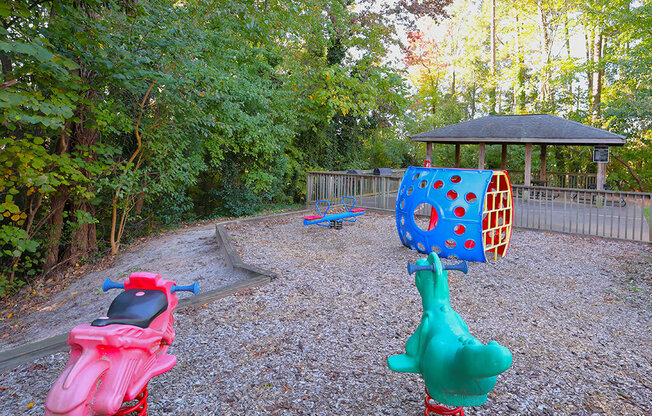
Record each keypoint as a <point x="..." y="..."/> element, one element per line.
<point x="458" y="370"/>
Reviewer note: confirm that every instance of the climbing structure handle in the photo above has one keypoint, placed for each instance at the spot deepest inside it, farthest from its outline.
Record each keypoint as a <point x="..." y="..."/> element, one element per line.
<point x="110" y="284"/>
<point x="462" y="267"/>
<point x="194" y="288"/>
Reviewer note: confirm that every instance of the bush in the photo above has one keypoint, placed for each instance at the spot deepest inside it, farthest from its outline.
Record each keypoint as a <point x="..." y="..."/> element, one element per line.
<point x="237" y="201"/>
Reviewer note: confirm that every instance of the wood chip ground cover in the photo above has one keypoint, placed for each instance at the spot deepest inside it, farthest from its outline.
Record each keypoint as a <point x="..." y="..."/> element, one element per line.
<point x="575" y="312"/>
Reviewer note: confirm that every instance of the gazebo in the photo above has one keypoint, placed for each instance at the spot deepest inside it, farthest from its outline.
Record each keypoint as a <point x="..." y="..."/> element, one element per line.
<point x="529" y="129"/>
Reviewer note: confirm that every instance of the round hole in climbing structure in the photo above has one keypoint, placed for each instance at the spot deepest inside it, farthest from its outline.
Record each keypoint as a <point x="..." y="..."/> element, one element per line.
<point x="408" y="235"/>
<point x="459" y="229"/>
<point x="451" y="195"/>
<point x="469" y="244"/>
<point x="459" y="212"/>
<point x="409" y="191"/>
<point x="438" y="184"/>
<point x="425" y="216"/>
<point x="453" y="257"/>
<point x="423" y="184"/>
<point x="435" y="249"/>
<point x="421" y="247"/>
<point x="456" y="179"/>
<point x="471" y="198"/>
<point x="416" y="176"/>
<point x="402" y="220"/>
<point x="450" y="243"/>
<point x="403" y="204"/>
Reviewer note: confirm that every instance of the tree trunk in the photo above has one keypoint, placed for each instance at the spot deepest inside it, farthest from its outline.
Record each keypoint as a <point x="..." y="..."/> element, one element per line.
<point x="5" y="61"/>
<point x="57" y="205"/>
<point x="453" y="85"/>
<point x="596" y="112"/>
<point x="55" y="228"/>
<point x="568" y="56"/>
<point x="140" y="202"/>
<point x="588" y="38"/>
<point x="492" y="91"/>
<point x="519" y="93"/>
<point x="74" y="135"/>
<point x="545" y="91"/>
<point x="83" y="239"/>
<point x="641" y="188"/>
<point x="473" y="98"/>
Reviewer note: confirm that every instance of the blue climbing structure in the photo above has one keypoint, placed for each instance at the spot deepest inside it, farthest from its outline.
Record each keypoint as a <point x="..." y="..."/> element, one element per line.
<point x="470" y="212"/>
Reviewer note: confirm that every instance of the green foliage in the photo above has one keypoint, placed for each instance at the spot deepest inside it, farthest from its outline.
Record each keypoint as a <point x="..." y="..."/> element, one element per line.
<point x="237" y="201"/>
<point x="201" y="110"/>
<point x="29" y="176"/>
<point x="547" y="61"/>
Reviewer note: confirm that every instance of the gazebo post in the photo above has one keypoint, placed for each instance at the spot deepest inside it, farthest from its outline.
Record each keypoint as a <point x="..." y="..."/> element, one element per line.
<point x="429" y="151"/>
<point x="527" y="180"/>
<point x="601" y="176"/>
<point x="457" y="155"/>
<point x="542" y="171"/>
<point x="503" y="158"/>
<point x="481" y="151"/>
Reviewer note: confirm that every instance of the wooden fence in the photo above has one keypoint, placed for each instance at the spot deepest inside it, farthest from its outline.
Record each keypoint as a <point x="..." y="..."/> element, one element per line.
<point x="613" y="214"/>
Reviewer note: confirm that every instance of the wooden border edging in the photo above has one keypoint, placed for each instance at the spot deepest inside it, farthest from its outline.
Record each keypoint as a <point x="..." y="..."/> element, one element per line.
<point x="30" y="352"/>
<point x="232" y="257"/>
<point x="26" y="353"/>
<point x="256" y="276"/>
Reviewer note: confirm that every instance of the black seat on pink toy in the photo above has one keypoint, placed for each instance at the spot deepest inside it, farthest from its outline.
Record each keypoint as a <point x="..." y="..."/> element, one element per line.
<point x="129" y="309"/>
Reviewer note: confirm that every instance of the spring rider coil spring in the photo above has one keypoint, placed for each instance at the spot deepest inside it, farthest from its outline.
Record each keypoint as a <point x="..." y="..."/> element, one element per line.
<point x="470" y="212"/>
<point x="137" y="409"/>
<point x="432" y="408"/>
<point x="336" y="224"/>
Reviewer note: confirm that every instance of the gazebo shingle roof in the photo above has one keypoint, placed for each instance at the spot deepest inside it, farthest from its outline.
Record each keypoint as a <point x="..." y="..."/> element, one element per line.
<point x="521" y="129"/>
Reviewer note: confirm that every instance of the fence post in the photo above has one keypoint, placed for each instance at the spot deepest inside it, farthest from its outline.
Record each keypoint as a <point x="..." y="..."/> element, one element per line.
<point x="309" y="190"/>
<point x="649" y="218"/>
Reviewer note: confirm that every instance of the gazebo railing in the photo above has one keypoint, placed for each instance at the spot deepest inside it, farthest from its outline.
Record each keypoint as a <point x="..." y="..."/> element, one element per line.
<point x="556" y="179"/>
<point x="613" y="214"/>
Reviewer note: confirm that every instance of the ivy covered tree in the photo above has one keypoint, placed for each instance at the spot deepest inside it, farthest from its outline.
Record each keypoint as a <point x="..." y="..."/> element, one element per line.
<point x="117" y="115"/>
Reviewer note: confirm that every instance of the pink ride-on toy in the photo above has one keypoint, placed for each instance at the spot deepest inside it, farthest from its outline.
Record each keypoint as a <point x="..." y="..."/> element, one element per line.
<point x="113" y="358"/>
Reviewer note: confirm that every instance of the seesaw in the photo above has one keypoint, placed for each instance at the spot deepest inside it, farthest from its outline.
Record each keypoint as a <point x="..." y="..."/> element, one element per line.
<point x="334" y="220"/>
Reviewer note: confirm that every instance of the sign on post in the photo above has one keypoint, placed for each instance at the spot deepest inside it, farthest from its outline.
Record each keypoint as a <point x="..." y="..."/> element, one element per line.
<point x="601" y="154"/>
